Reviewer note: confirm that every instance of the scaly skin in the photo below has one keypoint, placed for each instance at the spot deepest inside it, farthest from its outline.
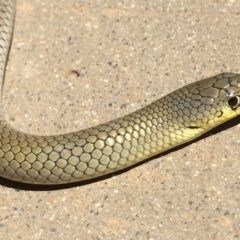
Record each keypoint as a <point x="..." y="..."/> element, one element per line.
<point x="168" y="122"/>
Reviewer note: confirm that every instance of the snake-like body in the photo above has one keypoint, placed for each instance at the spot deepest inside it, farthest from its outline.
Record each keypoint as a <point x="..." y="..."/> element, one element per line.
<point x="168" y="122"/>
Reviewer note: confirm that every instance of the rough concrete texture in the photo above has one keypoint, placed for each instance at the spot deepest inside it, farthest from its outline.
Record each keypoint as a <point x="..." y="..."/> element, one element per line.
<point x="74" y="64"/>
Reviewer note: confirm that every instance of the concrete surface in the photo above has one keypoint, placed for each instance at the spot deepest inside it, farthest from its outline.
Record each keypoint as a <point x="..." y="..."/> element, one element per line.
<point x="74" y="64"/>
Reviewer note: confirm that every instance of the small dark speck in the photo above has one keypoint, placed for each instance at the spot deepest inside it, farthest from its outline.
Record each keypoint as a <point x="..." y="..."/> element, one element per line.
<point x="124" y="105"/>
<point x="190" y="202"/>
<point x="226" y="213"/>
<point x="14" y="208"/>
<point x="74" y="73"/>
<point x="137" y="233"/>
<point x="112" y="64"/>
<point x="110" y="104"/>
<point x="53" y="229"/>
<point x="218" y="209"/>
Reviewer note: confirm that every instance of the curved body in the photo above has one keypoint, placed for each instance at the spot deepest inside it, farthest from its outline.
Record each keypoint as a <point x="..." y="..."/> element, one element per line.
<point x="168" y="122"/>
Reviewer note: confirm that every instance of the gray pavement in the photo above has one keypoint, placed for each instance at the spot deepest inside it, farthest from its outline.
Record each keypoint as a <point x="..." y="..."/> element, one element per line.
<point x="75" y="64"/>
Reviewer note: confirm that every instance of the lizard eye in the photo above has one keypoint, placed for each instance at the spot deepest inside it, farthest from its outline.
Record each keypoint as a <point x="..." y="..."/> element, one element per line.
<point x="233" y="102"/>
